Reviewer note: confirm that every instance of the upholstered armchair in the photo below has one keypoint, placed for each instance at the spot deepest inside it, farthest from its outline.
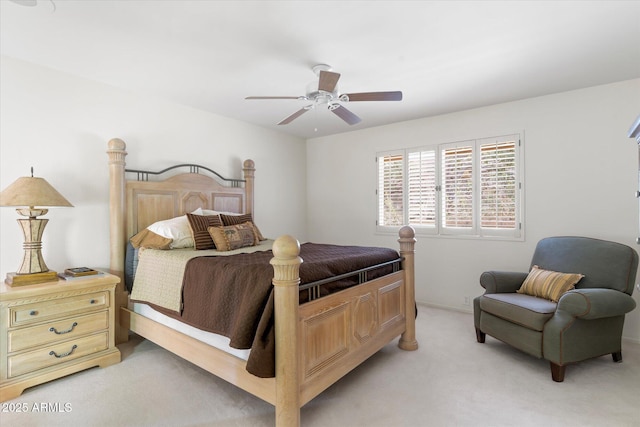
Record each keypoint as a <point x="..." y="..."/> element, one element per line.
<point x="582" y="323"/>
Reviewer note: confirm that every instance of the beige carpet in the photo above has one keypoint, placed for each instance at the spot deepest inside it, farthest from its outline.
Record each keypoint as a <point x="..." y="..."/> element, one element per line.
<point x="450" y="381"/>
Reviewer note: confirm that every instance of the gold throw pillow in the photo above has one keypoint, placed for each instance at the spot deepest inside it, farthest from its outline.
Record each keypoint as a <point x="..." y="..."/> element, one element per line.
<point x="548" y="284"/>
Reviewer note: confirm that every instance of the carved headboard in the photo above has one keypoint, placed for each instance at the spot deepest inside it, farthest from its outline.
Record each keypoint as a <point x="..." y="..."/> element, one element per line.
<point x="139" y="202"/>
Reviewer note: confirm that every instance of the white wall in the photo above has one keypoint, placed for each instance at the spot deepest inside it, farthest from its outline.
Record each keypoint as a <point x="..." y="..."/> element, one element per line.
<point x="60" y="125"/>
<point x="580" y="179"/>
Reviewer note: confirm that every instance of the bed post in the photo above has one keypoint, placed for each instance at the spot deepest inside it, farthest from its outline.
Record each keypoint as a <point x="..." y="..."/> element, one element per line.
<point x="286" y="266"/>
<point x="117" y="233"/>
<point x="249" y="168"/>
<point x="407" y="243"/>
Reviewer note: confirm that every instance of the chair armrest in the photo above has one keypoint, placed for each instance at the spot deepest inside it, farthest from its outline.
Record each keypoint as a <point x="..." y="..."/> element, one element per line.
<point x="497" y="282"/>
<point x="595" y="303"/>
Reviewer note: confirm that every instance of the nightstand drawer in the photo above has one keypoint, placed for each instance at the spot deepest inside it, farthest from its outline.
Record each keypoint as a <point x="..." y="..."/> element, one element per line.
<point x="34" y="336"/>
<point x="36" y="312"/>
<point x="55" y="354"/>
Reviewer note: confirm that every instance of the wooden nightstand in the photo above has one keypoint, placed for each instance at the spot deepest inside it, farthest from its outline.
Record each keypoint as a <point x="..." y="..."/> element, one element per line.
<point x="54" y="329"/>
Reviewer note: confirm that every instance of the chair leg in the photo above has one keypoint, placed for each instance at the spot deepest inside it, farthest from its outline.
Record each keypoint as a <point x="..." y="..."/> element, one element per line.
<point x="557" y="372"/>
<point x="617" y="356"/>
<point x="480" y="336"/>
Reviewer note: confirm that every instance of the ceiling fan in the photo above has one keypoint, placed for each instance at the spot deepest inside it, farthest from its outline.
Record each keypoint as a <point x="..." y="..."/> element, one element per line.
<point x="325" y="93"/>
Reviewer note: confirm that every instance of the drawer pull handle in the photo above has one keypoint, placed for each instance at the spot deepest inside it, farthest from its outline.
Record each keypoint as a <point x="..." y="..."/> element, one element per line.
<point x="58" y="356"/>
<point x="54" y="330"/>
<point x="33" y="313"/>
<point x="92" y="301"/>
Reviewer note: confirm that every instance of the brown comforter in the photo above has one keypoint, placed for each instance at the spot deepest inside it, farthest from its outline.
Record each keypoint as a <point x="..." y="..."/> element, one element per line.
<point x="233" y="296"/>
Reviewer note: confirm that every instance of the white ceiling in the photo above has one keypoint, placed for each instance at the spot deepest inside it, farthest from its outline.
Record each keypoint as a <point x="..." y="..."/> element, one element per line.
<point x="444" y="56"/>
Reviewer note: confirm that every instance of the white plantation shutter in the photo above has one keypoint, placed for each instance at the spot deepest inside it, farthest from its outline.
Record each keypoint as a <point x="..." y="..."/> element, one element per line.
<point x="468" y="188"/>
<point x="421" y="183"/>
<point x="391" y="190"/>
<point x="457" y="187"/>
<point x="499" y="186"/>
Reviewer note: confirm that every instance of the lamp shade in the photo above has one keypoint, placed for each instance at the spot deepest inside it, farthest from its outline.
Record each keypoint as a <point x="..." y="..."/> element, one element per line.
<point x="32" y="191"/>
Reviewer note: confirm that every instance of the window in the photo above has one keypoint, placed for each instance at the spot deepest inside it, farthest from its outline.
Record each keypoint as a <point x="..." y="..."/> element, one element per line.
<point x="391" y="179"/>
<point x="470" y="188"/>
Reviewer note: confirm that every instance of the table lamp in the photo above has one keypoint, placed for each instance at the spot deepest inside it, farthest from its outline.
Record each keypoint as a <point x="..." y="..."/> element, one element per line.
<point x="29" y="192"/>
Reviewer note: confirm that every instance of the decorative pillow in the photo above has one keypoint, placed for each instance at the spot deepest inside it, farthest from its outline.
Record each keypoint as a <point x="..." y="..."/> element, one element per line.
<point x="227" y="238"/>
<point x="241" y="219"/>
<point x="148" y="239"/>
<point x="548" y="284"/>
<point x="199" y="225"/>
<point x="177" y="229"/>
<point x="256" y="232"/>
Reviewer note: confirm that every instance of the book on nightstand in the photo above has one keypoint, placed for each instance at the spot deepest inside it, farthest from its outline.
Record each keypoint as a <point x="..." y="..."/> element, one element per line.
<point x="78" y="273"/>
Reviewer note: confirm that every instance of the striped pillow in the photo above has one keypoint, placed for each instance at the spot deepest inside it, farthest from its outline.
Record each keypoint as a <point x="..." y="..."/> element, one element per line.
<point x="548" y="284"/>
<point x="200" y="228"/>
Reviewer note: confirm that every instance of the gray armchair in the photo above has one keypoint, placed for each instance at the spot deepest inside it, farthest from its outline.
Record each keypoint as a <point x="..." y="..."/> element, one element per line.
<point x="585" y="322"/>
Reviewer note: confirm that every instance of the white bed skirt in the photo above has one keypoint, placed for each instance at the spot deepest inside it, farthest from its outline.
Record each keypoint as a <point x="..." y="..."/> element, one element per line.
<point x="218" y="341"/>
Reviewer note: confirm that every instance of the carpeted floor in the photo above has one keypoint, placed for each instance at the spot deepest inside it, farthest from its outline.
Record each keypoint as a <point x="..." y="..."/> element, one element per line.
<point x="450" y="381"/>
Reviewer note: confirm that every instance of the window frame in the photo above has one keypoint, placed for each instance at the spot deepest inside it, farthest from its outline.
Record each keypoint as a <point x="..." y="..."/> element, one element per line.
<point x="514" y="179"/>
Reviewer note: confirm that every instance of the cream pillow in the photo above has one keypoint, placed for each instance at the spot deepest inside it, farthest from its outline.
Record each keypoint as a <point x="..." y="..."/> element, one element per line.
<point x="177" y="229"/>
<point x="548" y="284"/>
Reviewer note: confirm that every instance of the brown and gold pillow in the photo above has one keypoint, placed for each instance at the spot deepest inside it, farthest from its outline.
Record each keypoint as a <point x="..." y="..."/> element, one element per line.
<point x="148" y="239"/>
<point x="227" y="238"/>
<point x="241" y="219"/>
<point x="548" y="284"/>
<point x="199" y="227"/>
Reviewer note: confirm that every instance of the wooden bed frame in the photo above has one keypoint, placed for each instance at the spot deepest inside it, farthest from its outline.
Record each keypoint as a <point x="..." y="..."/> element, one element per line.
<point x="326" y="338"/>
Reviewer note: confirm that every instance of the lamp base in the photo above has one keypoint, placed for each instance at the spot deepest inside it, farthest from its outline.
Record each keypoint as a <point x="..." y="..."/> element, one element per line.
<point x="15" y="279"/>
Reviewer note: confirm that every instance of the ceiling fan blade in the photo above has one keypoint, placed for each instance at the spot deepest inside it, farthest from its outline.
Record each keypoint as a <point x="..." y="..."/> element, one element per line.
<point x="272" y="97"/>
<point x="328" y="81"/>
<point x="346" y="115"/>
<point x="25" y="2"/>
<point x="294" y="116"/>
<point x="375" y="96"/>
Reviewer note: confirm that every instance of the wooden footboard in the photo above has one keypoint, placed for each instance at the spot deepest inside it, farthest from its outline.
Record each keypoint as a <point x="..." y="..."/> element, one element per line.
<point x="321" y="341"/>
<point x="345" y="329"/>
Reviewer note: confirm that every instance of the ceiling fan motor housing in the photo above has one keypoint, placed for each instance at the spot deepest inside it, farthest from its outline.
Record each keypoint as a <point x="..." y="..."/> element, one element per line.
<point x="320" y="96"/>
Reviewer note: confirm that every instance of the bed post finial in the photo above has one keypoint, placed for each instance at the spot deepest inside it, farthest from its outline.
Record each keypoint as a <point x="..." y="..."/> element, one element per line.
<point x="407" y="242"/>
<point x="249" y="169"/>
<point x="118" y="148"/>
<point x="286" y="266"/>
